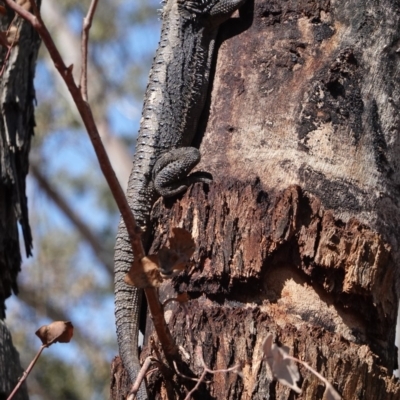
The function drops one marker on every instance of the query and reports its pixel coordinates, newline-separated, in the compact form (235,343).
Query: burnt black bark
(16,130)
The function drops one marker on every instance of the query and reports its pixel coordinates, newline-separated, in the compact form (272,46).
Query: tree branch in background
(90,125)
(83,229)
(85,111)
(99,87)
(87,23)
(56,332)
(49,310)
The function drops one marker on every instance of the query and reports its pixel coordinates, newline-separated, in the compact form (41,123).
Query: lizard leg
(170,173)
(224,8)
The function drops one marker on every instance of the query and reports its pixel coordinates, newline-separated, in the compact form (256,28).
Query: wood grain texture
(298,234)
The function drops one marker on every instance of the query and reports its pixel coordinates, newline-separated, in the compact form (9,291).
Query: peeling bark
(298,234)
(280,262)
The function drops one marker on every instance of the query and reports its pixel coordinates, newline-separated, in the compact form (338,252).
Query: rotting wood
(288,261)
(298,234)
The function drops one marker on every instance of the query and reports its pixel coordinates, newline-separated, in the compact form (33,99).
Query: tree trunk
(16,130)
(298,234)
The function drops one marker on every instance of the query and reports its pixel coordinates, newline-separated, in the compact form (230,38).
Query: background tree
(74,223)
(16,129)
(288,214)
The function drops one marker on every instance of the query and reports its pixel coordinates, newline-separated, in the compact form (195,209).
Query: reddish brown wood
(298,234)
(281,263)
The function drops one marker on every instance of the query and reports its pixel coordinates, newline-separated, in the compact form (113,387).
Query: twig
(185,376)
(27,372)
(87,23)
(88,120)
(328,385)
(139,378)
(170,300)
(202,376)
(34,8)
(134,232)
(163,333)
(61,203)
(199,353)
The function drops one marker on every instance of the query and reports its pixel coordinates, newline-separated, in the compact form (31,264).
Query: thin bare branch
(199,353)
(334,394)
(90,125)
(139,378)
(27,372)
(34,7)
(185,376)
(87,23)
(201,379)
(62,204)
(134,232)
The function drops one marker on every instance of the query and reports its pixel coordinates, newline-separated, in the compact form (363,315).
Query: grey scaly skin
(174,101)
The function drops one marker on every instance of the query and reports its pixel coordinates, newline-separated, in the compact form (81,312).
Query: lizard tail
(128,301)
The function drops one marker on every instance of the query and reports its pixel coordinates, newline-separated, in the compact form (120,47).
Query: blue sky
(70,152)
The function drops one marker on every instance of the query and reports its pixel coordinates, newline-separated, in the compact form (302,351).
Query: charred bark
(298,234)
(16,130)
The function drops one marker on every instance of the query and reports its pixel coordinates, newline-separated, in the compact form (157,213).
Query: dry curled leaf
(182,242)
(58,331)
(13,34)
(4,39)
(150,270)
(170,261)
(9,37)
(177,255)
(144,273)
(330,392)
(283,369)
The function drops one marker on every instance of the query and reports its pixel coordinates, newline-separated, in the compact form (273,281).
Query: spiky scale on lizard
(173,104)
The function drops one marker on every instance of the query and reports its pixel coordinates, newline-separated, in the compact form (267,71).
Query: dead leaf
(144,273)
(58,331)
(170,261)
(283,369)
(9,37)
(176,256)
(330,392)
(150,270)
(182,242)
(3,39)
(13,34)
